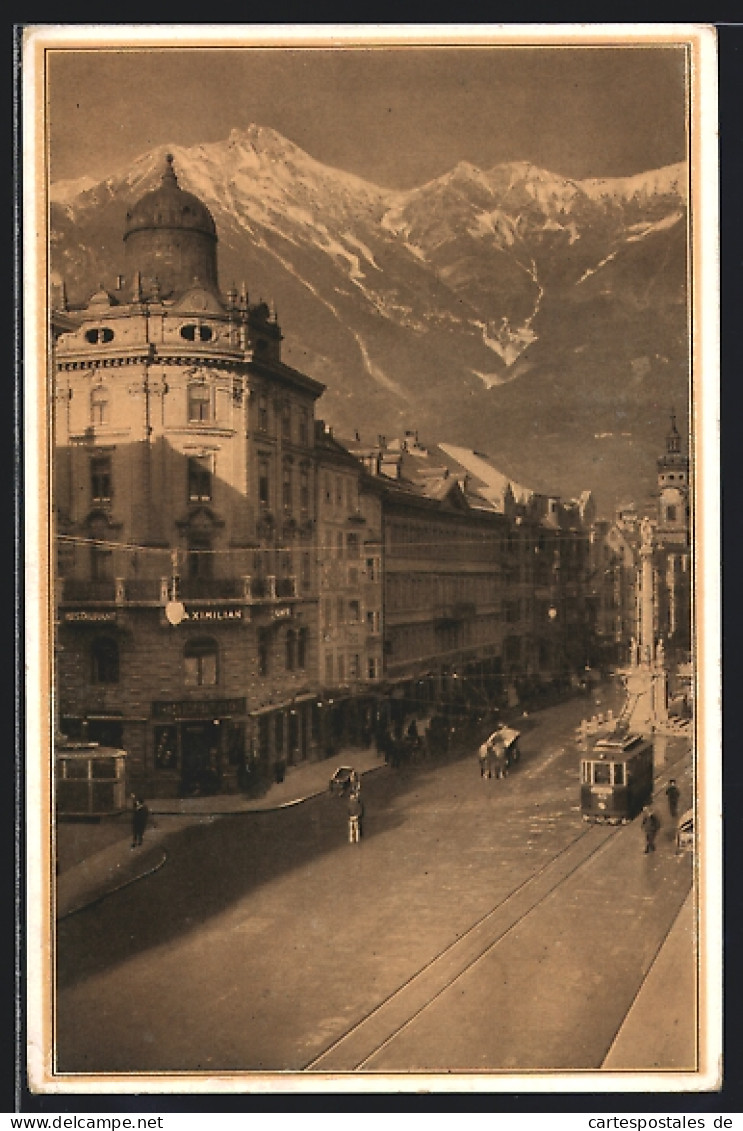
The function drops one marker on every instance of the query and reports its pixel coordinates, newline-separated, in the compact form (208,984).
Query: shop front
(198,746)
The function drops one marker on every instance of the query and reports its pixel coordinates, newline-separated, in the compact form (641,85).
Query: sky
(397,116)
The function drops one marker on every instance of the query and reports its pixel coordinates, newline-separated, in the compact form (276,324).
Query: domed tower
(170,240)
(673,490)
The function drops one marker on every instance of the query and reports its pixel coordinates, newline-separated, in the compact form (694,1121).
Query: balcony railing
(158,591)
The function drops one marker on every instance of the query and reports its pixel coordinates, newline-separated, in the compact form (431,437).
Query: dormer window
(196,333)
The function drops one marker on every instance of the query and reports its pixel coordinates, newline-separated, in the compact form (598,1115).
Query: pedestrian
(673,793)
(140,815)
(650,826)
(355,813)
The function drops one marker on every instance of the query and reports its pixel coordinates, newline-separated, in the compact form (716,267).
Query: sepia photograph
(372,695)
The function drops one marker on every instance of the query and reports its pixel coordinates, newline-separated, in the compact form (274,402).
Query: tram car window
(616,778)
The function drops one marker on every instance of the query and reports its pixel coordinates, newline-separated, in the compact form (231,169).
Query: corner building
(184,504)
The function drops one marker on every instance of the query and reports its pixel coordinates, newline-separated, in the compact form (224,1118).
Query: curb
(112,891)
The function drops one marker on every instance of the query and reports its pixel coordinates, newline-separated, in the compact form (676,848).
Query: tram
(616,778)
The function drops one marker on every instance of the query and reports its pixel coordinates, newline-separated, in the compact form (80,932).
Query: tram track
(359,1045)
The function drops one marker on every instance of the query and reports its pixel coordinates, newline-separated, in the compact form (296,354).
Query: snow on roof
(495,482)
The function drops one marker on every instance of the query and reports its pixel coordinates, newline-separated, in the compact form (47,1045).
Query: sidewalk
(116,865)
(659,1029)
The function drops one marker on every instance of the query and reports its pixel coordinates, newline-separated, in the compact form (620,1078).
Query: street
(266,937)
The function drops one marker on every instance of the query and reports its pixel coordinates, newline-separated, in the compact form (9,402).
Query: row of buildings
(236,588)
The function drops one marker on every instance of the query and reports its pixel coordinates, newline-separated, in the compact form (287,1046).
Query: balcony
(159,590)
(211,589)
(88,592)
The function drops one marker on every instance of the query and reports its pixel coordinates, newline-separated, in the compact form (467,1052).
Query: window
(339,491)
(199,479)
(291,650)
(286,421)
(199,555)
(200,662)
(305,578)
(264,651)
(354,612)
(302,641)
(99,406)
(104,660)
(372,569)
(166,748)
(327,618)
(671,513)
(341,611)
(304,491)
(199,404)
(353,576)
(339,544)
(286,488)
(328,667)
(303,425)
(352,545)
(372,620)
(100,479)
(101,562)
(341,669)
(193,333)
(353,666)
(263,412)
(601,773)
(263,484)
(618,774)
(99,335)
(373,667)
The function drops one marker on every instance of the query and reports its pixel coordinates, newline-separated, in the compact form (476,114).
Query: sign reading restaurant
(96,616)
(197,709)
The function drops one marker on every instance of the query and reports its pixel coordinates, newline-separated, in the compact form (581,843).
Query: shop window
(166,748)
(199,479)
(199,404)
(99,406)
(100,479)
(104,660)
(201,662)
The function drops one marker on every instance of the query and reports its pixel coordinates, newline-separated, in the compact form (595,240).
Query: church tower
(673,491)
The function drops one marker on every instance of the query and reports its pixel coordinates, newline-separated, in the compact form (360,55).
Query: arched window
(291,650)
(200,661)
(99,405)
(104,660)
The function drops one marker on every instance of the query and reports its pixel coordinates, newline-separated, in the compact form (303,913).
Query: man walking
(650,826)
(673,793)
(355,813)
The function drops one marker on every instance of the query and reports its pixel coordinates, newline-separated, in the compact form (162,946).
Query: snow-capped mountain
(538,318)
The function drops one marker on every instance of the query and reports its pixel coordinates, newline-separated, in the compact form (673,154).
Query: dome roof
(170,206)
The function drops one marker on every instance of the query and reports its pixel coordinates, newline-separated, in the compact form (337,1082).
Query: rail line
(353,1051)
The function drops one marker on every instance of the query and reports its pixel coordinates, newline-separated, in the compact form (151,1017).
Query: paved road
(266,937)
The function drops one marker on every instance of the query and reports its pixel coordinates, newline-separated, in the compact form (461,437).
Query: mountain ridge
(472,307)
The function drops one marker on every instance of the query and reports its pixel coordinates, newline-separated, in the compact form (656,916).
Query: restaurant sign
(90,616)
(197,709)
